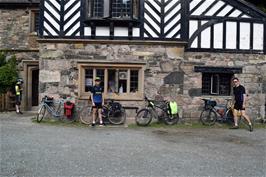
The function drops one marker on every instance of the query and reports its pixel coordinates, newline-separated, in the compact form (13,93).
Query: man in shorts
(97,101)
(240,100)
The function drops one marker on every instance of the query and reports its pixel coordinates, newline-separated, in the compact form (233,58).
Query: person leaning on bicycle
(97,101)
(240,101)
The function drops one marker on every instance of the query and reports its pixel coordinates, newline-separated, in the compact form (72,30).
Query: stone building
(172,49)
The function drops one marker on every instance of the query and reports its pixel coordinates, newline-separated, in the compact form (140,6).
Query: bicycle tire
(85,115)
(171,119)
(118,117)
(143,117)
(41,113)
(208,117)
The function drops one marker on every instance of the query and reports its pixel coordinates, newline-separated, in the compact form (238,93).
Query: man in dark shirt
(240,103)
(97,101)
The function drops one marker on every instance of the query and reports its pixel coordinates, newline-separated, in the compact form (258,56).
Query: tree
(8,73)
(261,4)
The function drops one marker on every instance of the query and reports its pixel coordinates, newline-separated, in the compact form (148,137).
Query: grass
(191,125)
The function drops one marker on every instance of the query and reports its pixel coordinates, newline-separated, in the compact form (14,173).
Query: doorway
(30,96)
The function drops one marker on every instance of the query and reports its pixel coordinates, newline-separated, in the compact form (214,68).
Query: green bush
(8,73)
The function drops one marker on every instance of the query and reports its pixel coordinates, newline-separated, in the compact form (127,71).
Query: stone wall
(15,29)
(59,72)
(169,72)
(253,77)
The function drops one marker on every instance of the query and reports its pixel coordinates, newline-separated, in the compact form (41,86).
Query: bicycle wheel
(41,113)
(117,117)
(85,115)
(171,119)
(208,117)
(143,117)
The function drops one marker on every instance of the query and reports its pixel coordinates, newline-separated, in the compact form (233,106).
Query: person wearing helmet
(97,101)
(18,92)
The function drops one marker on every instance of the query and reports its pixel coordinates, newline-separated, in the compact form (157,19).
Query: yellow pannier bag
(174,109)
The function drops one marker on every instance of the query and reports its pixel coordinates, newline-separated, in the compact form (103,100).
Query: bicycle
(54,108)
(212,112)
(112,113)
(159,111)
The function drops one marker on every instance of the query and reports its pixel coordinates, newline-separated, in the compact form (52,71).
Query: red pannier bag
(68,107)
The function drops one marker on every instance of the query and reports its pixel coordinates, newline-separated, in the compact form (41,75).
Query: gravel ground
(31,149)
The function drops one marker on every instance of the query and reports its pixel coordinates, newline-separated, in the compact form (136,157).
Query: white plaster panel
(244,36)
(206,38)
(46,26)
(218,36)
(102,31)
(246,16)
(172,13)
(193,26)
(153,13)
(173,32)
(154,4)
(193,4)
(70,32)
(121,31)
(158,29)
(56,4)
(172,23)
(170,5)
(57,16)
(236,13)
(258,36)
(72,21)
(231,35)
(49,76)
(72,10)
(150,31)
(214,9)
(136,32)
(203,7)
(225,11)
(87,31)
(52,21)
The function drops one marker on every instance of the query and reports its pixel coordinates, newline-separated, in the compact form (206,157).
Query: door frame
(28,67)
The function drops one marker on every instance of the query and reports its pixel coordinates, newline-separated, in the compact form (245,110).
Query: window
(34,21)
(122,9)
(119,81)
(216,84)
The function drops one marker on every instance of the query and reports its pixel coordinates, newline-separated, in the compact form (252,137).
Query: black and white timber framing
(206,25)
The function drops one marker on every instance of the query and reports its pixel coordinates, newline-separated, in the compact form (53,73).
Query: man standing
(97,101)
(18,90)
(240,103)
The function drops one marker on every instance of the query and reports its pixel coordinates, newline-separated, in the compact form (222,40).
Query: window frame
(82,94)
(33,15)
(209,84)
(134,19)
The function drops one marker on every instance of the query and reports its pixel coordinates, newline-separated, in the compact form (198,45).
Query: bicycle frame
(151,106)
(54,112)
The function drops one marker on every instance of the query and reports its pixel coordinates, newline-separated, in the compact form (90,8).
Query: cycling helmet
(19,81)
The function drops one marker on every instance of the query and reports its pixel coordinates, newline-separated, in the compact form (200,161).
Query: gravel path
(31,149)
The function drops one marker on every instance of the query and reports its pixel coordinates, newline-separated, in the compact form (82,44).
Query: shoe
(20,112)
(234,127)
(250,128)
(102,125)
(93,124)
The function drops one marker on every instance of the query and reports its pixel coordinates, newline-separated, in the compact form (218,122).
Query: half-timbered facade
(182,50)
